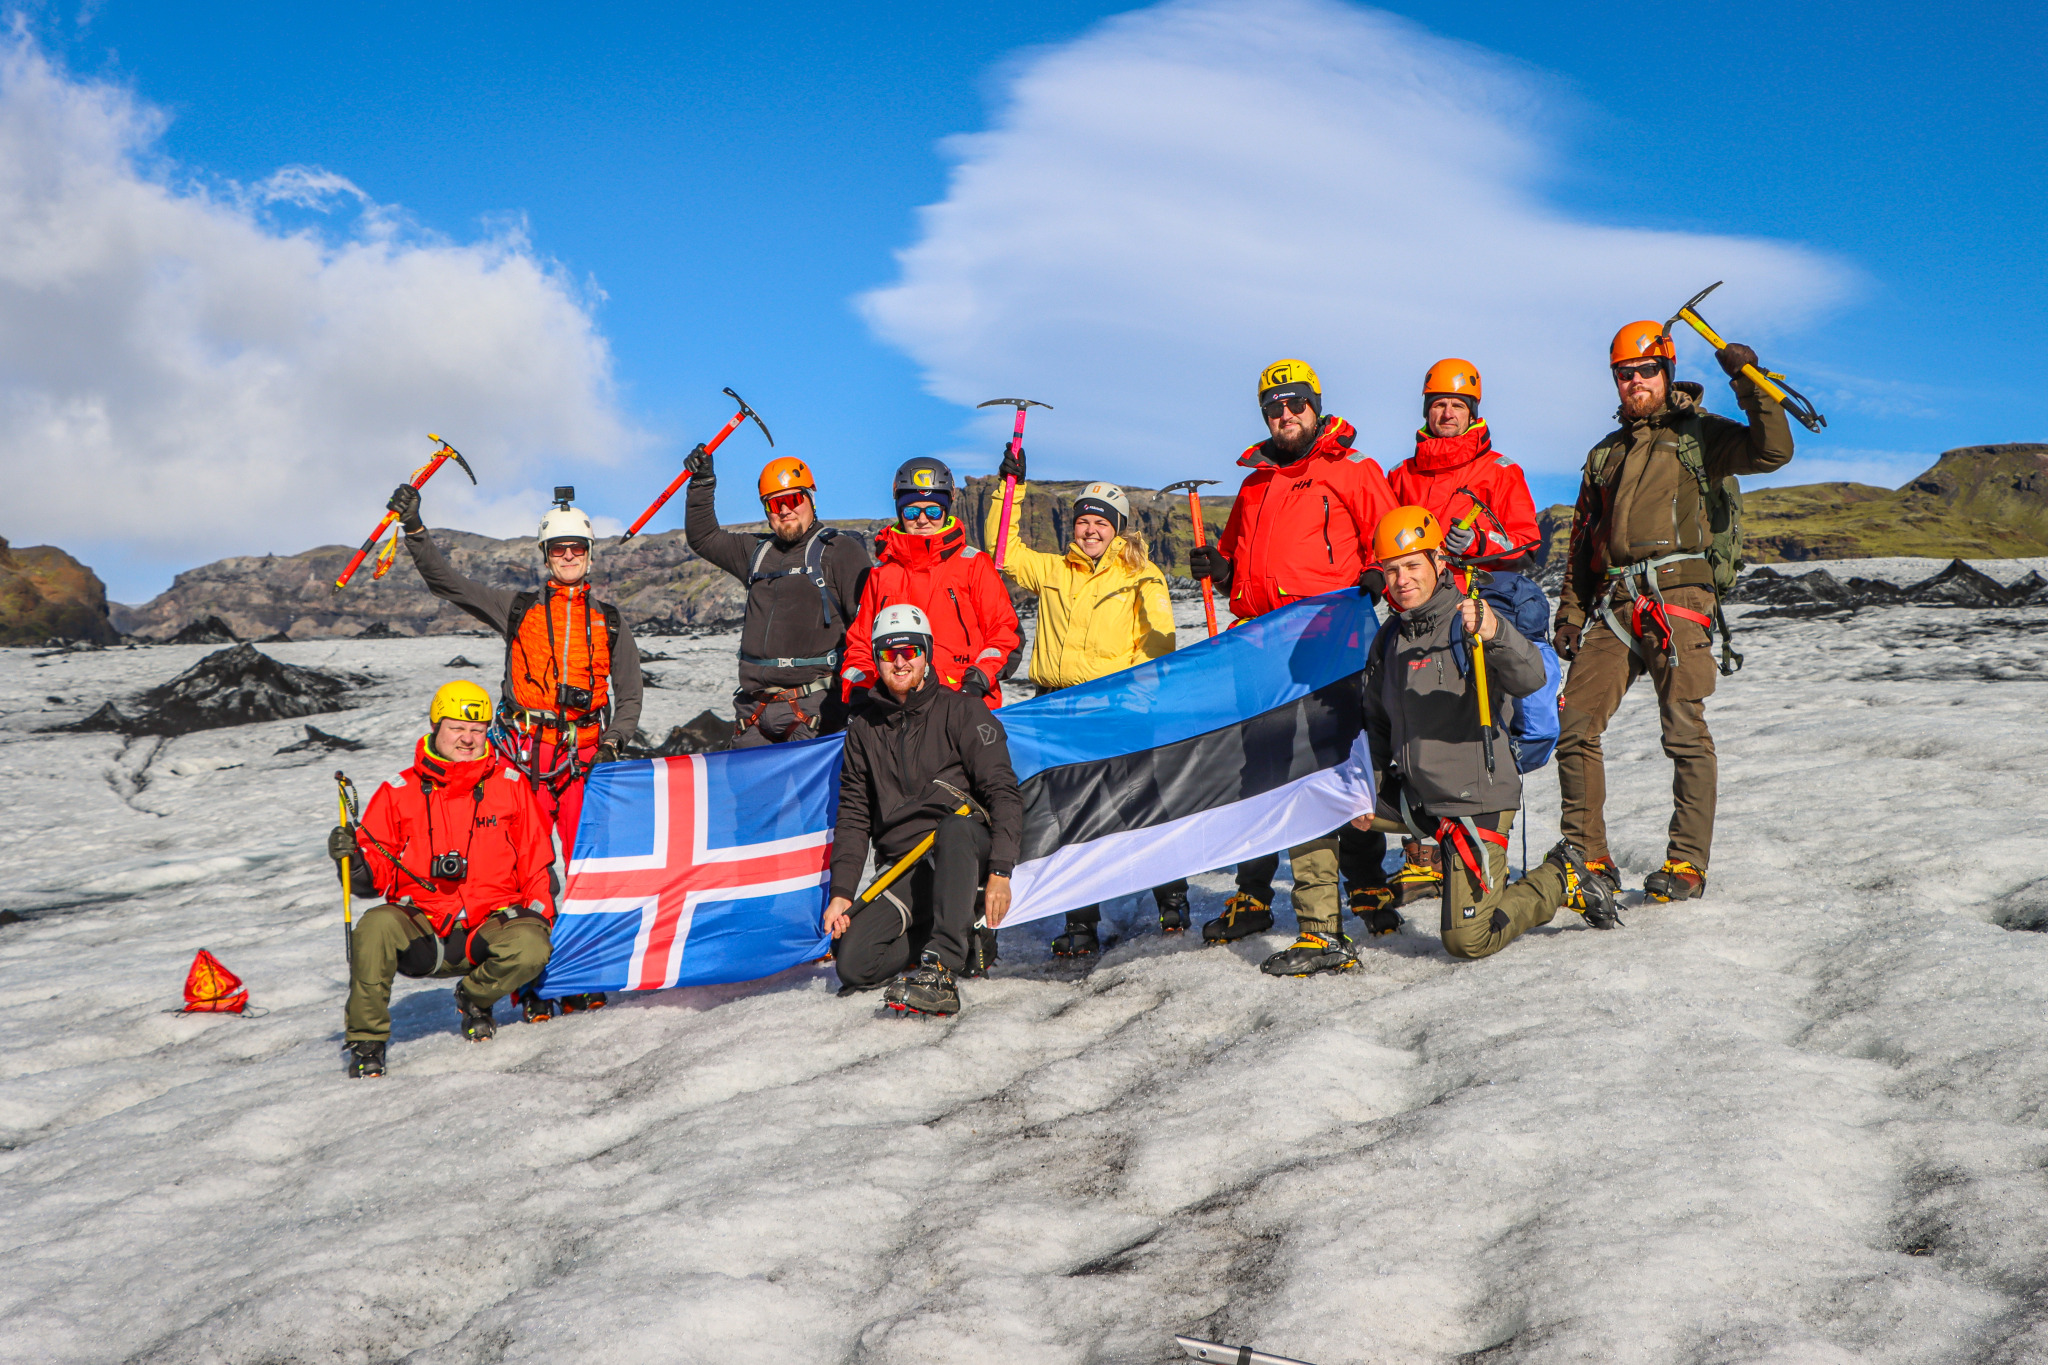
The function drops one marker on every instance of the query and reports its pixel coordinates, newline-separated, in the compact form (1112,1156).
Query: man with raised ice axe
(1656,539)
(1433,676)
(1301,525)
(927,780)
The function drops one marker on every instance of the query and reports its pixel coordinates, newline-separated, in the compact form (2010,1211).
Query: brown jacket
(1647,504)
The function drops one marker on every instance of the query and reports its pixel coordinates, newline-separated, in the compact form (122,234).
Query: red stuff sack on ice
(212,989)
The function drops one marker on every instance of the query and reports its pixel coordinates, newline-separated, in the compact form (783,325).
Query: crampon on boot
(364,1059)
(1421,877)
(534,1009)
(981,952)
(582,1004)
(1375,905)
(927,988)
(1173,911)
(1243,915)
(477,1023)
(1080,940)
(1312,953)
(1586,890)
(1677,880)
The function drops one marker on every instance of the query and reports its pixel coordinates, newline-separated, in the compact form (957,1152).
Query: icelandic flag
(696,870)
(1245,744)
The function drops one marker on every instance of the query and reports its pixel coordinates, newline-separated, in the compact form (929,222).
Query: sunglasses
(784,502)
(1293,403)
(568,549)
(901,654)
(1642,370)
(924,511)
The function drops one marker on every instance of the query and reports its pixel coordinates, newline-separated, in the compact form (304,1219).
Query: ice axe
(419,480)
(1201,539)
(968,806)
(345,795)
(1472,577)
(1793,400)
(728,429)
(1002,544)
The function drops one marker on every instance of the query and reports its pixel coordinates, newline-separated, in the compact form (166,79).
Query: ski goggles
(1644,369)
(1296,403)
(899,652)
(924,511)
(784,502)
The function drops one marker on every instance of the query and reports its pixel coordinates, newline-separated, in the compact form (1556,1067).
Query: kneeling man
(460,850)
(1422,720)
(916,754)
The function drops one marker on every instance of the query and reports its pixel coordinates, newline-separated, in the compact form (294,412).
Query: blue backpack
(1531,722)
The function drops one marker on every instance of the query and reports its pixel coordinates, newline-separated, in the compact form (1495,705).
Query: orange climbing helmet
(1643,340)
(1452,379)
(786,474)
(1406,531)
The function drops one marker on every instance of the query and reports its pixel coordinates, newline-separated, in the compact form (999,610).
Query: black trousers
(1092,914)
(936,910)
(1359,858)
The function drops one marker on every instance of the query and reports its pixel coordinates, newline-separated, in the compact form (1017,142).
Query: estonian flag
(1241,745)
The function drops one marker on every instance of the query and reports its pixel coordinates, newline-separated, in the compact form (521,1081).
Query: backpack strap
(1692,453)
(812,568)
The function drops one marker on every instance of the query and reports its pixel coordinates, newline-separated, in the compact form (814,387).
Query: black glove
(1566,640)
(607,752)
(698,462)
(1012,466)
(341,843)
(405,500)
(1734,356)
(975,684)
(1373,581)
(1206,561)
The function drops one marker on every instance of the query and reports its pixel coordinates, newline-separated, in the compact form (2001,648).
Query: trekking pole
(714,443)
(1771,383)
(1479,651)
(345,796)
(1201,539)
(1010,481)
(418,480)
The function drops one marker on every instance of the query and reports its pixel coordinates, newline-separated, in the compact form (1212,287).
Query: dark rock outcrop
(708,733)
(205,630)
(1807,594)
(319,741)
(47,595)
(238,686)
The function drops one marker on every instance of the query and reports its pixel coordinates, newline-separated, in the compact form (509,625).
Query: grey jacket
(1422,713)
(493,607)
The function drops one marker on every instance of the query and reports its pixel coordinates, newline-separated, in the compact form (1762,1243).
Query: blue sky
(717,188)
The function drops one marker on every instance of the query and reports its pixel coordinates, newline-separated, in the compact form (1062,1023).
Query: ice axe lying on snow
(418,480)
(1794,401)
(1010,481)
(714,443)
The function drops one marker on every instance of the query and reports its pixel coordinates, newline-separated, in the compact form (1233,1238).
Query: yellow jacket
(1094,618)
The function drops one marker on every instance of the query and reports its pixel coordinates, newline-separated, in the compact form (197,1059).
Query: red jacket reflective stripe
(1303,528)
(482,809)
(1447,472)
(959,591)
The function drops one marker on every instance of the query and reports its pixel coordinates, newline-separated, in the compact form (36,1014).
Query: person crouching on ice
(1102,608)
(460,850)
(1422,720)
(916,754)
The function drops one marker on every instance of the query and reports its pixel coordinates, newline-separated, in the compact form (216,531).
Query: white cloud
(1190,191)
(182,373)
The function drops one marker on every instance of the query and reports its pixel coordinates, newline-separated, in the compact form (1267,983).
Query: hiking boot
(1174,917)
(1375,905)
(1080,940)
(981,952)
(477,1024)
(364,1059)
(583,1003)
(926,989)
(1243,915)
(535,1009)
(1602,870)
(1312,953)
(1586,890)
(1677,880)
(1421,877)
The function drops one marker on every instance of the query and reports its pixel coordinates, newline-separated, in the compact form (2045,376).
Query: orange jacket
(482,809)
(561,636)
(1306,527)
(959,591)
(1447,474)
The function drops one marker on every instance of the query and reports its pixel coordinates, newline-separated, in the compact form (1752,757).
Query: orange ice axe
(714,443)
(419,480)
(1201,539)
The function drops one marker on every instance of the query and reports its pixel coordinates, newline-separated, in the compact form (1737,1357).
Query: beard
(1304,437)
(1635,408)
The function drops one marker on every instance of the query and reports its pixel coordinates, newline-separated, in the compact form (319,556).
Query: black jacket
(885,780)
(787,618)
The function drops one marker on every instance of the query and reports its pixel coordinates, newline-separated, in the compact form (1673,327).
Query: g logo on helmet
(921,478)
(475,711)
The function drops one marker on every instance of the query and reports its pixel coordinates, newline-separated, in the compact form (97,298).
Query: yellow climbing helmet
(460,700)
(1289,379)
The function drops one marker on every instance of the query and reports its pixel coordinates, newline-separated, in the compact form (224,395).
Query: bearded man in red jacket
(1302,525)
(460,850)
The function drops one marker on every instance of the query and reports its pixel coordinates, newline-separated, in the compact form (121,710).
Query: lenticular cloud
(1188,192)
(182,372)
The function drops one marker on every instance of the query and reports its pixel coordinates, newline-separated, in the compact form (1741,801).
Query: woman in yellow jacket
(1102,607)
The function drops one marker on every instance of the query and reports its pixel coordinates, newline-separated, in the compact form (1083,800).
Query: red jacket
(1304,528)
(1447,473)
(482,809)
(959,591)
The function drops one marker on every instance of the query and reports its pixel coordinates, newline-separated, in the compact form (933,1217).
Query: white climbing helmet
(1107,501)
(566,523)
(902,624)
